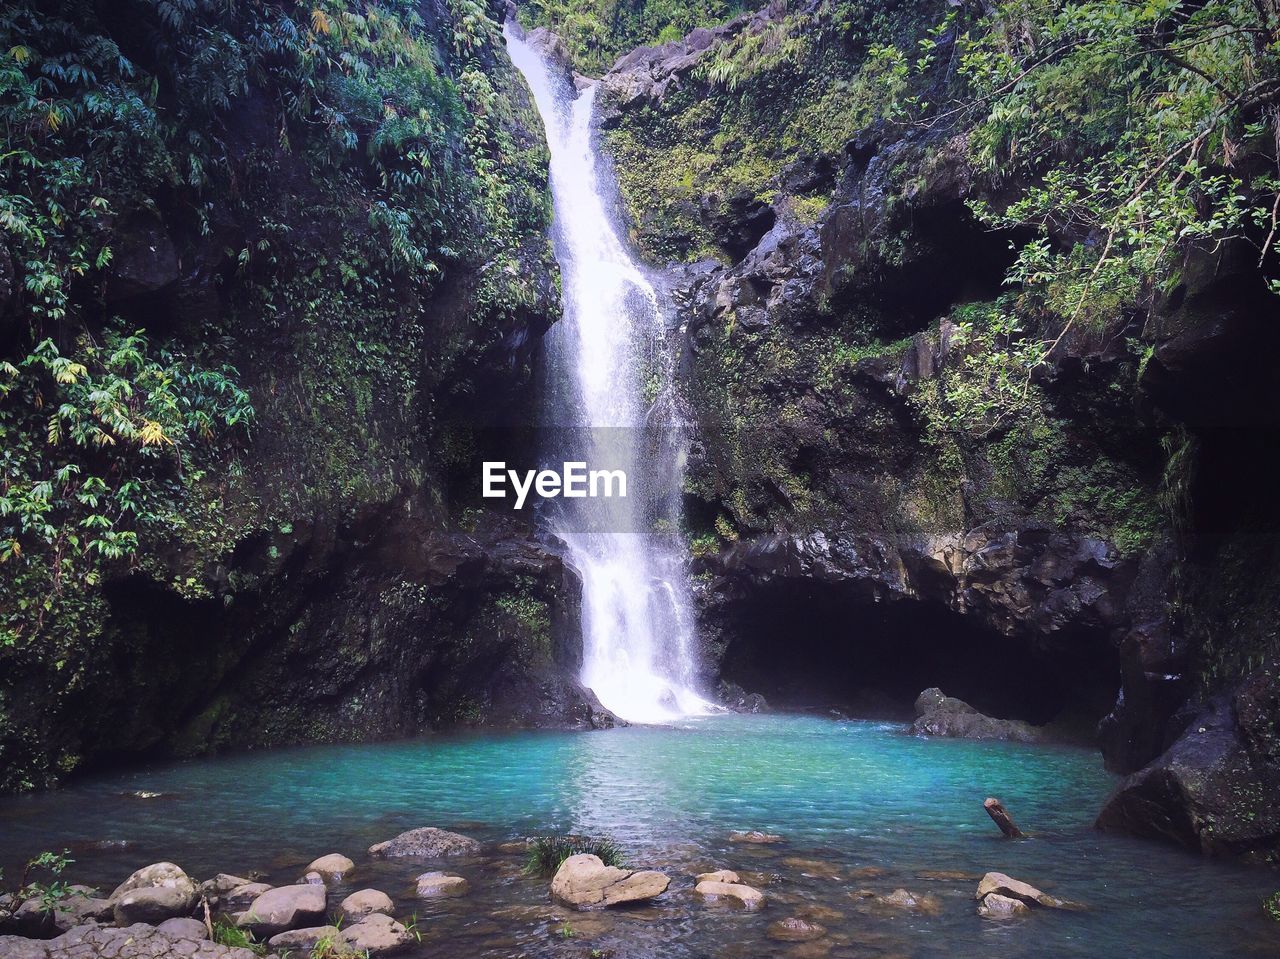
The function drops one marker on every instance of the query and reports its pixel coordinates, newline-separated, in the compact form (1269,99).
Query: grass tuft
(548,853)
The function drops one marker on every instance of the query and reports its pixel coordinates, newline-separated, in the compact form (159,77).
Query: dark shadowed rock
(941,715)
(1214,789)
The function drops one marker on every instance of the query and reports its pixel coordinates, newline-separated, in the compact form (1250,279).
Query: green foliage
(327,166)
(227,933)
(800,87)
(599,31)
(41,879)
(97,444)
(1139,128)
(1271,906)
(548,853)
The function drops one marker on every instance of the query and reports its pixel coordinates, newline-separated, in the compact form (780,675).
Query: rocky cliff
(888,490)
(318,262)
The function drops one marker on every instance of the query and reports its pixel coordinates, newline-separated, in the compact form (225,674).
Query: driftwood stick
(995,809)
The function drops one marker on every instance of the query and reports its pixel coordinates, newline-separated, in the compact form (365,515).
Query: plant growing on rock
(548,853)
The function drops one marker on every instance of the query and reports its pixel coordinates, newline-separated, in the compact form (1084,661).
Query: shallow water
(850,798)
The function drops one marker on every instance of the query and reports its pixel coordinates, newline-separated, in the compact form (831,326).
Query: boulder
(312,879)
(80,906)
(364,903)
(332,867)
(220,886)
(283,908)
(795,929)
(184,929)
(940,715)
(1197,793)
(750,898)
(377,935)
(439,885)
(242,897)
(996,906)
(153,894)
(997,883)
(585,882)
(303,941)
(425,843)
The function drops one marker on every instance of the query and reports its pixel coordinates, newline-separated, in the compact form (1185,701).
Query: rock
(795,929)
(283,908)
(721,875)
(585,882)
(332,867)
(377,935)
(154,904)
(303,941)
(20,947)
(242,897)
(996,906)
(999,884)
(756,837)
(1196,793)
(903,900)
(138,941)
(77,908)
(439,885)
(184,929)
(312,879)
(220,886)
(712,889)
(153,894)
(941,715)
(426,843)
(365,902)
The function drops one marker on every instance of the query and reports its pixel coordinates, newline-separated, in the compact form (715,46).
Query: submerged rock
(427,842)
(439,885)
(940,715)
(996,906)
(585,882)
(903,900)
(714,889)
(755,837)
(795,929)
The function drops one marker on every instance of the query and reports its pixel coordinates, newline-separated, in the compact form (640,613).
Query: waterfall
(605,354)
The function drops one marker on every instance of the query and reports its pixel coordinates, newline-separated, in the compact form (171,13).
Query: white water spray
(636,617)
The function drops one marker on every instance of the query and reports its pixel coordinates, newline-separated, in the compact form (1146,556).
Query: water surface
(851,799)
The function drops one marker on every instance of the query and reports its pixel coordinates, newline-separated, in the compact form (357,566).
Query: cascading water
(636,617)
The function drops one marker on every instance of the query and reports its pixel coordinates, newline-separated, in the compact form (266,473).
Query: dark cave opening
(816,646)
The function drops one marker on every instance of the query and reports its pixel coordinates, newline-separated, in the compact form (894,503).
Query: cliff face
(327,230)
(878,504)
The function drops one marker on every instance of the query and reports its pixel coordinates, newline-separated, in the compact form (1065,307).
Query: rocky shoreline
(161,911)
